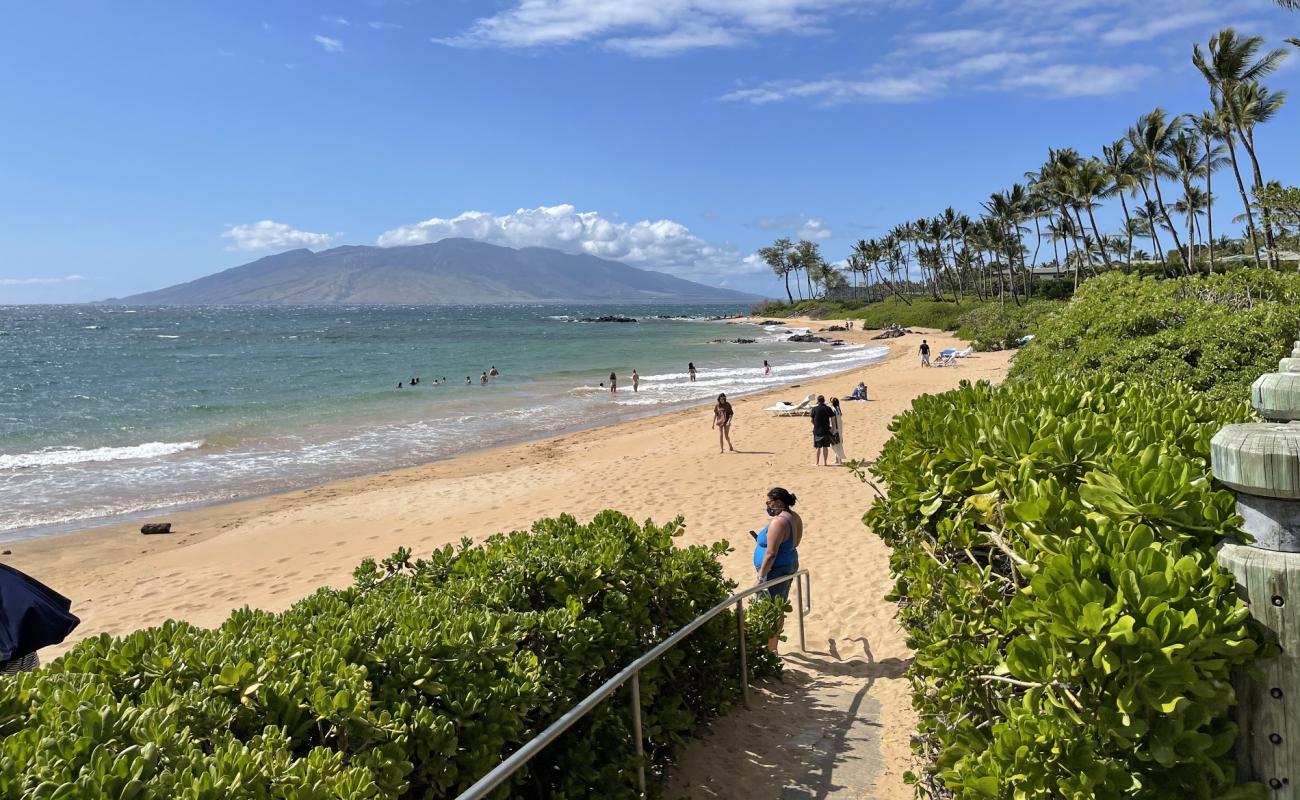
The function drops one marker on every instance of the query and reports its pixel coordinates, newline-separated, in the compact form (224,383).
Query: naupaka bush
(413,683)
(1053,551)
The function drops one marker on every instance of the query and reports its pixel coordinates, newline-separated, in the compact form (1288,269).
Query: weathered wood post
(1261,462)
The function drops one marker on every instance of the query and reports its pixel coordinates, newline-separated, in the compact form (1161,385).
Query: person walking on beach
(636,381)
(722,414)
(690,370)
(776,549)
(925,353)
(613,383)
(767,368)
(838,445)
(823,424)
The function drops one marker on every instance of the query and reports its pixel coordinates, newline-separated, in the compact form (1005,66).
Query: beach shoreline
(270,551)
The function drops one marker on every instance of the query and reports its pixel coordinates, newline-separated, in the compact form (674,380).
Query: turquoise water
(106,411)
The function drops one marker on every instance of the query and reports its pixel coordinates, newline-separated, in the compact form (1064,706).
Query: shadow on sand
(813,734)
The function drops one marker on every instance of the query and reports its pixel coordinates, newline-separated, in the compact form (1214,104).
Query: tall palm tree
(1119,165)
(1148,218)
(1232,61)
(1209,124)
(1088,182)
(1150,139)
(1188,160)
(1229,136)
(1257,104)
(1194,204)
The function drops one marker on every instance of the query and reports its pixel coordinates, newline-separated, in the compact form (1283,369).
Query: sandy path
(837,726)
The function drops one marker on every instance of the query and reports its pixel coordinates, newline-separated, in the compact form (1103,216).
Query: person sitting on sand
(722,415)
(776,548)
(636,381)
(859,392)
(690,370)
(613,383)
(493,372)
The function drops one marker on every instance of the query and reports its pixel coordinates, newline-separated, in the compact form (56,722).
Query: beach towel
(32,615)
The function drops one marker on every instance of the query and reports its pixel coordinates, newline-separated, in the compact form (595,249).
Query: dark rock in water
(156,527)
(733,341)
(772,322)
(607,319)
(807,338)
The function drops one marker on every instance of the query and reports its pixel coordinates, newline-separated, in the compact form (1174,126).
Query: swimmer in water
(483,381)
(494,372)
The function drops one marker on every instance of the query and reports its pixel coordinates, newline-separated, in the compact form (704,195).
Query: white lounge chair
(964,353)
(792,410)
(946,358)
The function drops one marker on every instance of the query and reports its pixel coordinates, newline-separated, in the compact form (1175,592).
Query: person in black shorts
(823,421)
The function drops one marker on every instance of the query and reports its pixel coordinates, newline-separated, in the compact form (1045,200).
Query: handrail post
(636,731)
(744,658)
(798,603)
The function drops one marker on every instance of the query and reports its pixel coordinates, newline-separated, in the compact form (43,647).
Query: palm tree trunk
(1191,223)
(1128,228)
(786,275)
(1249,142)
(1101,243)
(1245,198)
(1164,212)
(1209,201)
(1155,240)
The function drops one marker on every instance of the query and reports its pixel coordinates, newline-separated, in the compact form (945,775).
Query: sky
(153,142)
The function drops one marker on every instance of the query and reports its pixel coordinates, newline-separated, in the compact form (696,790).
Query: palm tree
(1148,217)
(1209,124)
(777,256)
(1195,203)
(1119,165)
(1088,182)
(1257,104)
(1150,139)
(1188,161)
(1231,62)
(808,255)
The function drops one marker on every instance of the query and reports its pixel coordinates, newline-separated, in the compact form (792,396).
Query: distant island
(451,271)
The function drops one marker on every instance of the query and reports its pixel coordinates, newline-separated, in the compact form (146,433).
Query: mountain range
(450,271)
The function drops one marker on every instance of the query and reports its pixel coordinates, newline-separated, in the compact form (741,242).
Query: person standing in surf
(613,383)
(636,381)
(767,368)
(690,370)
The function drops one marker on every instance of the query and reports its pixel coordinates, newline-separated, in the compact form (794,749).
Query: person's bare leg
(721,433)
(727,432)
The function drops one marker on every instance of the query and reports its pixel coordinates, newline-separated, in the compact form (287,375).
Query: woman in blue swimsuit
(776,551)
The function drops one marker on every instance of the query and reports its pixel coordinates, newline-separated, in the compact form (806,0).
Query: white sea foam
(51,456)
(166,336)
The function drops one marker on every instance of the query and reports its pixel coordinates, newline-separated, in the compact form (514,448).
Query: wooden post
(1261,462)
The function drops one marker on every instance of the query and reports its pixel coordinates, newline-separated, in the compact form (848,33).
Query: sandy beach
(836,726)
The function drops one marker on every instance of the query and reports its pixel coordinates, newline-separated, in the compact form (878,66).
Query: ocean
(109,412)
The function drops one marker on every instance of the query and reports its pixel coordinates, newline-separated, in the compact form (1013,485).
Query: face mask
(772,512)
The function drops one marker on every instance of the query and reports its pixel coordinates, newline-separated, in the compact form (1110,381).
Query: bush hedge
(997,326)
(1053,553)
(1215,334)
(412,683)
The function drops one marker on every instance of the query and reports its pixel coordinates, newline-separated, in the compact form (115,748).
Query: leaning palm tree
(1088,182)
(1150,139)
(1120,169)
(1209,124)
(1229,62)
(1258,104)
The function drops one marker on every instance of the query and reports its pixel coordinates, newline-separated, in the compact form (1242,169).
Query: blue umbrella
(32,615)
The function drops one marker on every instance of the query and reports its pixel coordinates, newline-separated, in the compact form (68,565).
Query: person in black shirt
(925,353)
(823,421)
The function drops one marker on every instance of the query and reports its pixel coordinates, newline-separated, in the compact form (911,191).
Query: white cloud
(41,281)
(662,245)
(799,226)
(1148,29)
(342,22)
(1080,80)
(651,28)
(269,235)
(384,26)
(330,45)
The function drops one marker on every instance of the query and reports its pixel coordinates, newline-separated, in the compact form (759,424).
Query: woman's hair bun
(782,496)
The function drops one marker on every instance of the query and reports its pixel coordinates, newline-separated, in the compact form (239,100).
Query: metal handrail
(632,672)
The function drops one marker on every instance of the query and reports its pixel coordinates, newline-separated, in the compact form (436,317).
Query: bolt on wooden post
(1261,463)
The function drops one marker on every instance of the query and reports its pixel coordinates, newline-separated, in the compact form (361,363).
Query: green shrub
(1215,334)
(1053,553)
(412,683)
(994,326)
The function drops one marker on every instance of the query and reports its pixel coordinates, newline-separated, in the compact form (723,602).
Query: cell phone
(754,534)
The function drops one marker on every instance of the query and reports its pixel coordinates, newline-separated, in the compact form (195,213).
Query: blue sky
(147,143)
